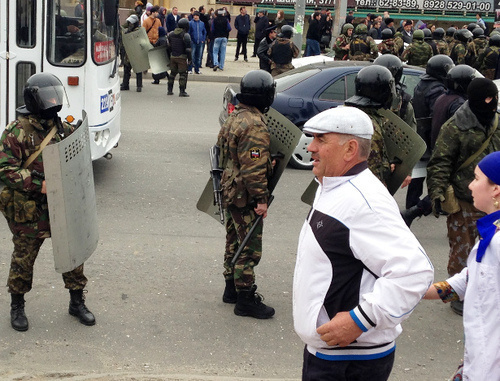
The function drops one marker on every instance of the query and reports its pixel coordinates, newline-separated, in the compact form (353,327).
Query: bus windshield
(104,31)
(66,42)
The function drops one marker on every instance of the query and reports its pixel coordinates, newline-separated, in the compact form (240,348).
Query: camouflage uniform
(459,53)
(362,46)
(417,53)
(22,203)
(340,46)
(399,44)
(442,47)
(460,137)
(378,161)
(281,52)
(388,47)
(244,142)
(487,62)
(474,49)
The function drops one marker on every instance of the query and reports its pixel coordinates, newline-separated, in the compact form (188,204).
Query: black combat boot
(18,319)
(230,294)
(182,92)
(124,87)
(249,303)
(410,214)
(78,308)
(170,89)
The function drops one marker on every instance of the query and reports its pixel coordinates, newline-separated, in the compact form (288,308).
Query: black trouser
(242,41)
(256,45)
(316,369)
(127,72)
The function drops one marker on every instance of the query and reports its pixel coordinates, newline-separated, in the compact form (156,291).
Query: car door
(336,91)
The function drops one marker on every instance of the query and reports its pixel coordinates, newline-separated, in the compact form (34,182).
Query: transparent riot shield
(284,138)
(71,199)
(137,45)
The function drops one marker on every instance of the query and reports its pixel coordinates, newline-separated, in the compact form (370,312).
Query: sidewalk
(233,70)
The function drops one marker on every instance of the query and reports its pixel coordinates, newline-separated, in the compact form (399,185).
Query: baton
(249,234)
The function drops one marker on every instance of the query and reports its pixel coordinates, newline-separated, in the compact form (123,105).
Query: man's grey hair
(363,144)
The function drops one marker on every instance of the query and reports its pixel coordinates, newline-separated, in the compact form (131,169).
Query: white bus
(76,40)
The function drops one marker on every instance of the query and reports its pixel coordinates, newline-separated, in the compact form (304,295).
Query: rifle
(216,174)
(274,157)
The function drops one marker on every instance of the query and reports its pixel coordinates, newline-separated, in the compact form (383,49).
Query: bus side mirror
(110,12)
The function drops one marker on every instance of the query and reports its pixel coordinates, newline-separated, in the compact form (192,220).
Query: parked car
(304,92)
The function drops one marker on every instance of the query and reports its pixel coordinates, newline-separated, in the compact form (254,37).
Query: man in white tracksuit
(360,271)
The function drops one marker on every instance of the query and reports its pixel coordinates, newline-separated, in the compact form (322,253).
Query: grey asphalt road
(155,280)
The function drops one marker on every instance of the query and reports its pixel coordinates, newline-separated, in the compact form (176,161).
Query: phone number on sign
(473,6)
(398,4)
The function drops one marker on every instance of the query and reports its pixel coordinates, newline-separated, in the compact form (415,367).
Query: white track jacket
(356,254)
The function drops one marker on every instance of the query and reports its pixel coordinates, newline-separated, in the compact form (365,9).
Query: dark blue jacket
(171,23)
(242,24)
(197,31)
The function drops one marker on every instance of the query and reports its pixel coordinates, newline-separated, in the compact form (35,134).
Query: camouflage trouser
(462,234)
(239,222)
(178,65)
(21,267)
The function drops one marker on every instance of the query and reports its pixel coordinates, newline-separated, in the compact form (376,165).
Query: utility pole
(339,20)
(298,23)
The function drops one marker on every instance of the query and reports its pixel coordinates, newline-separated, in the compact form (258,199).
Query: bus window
(103,36)
(26,23)
(24,70)
(65,34)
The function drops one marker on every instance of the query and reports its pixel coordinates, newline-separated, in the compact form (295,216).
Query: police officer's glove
(436,207)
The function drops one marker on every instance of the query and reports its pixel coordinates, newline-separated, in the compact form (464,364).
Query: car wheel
(301,157)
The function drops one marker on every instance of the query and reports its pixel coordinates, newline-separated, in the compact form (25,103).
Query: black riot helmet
(438,66)
(494,40)
(387,33)
(374,88)
(459,77)
(463,35)
(184,24)
(438,34)
(450,32)
(286,31)
(478,32)
(257,88)
(427,34)
(44,95)
(392,63)
(472,26)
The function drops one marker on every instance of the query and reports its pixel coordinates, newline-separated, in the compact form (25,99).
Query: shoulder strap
(483,146)
(44,142)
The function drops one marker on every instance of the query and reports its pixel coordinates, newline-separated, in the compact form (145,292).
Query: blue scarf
(487,227)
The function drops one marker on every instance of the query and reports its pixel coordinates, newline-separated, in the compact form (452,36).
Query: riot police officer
(23,201)
(179,50)
(282,51)
(418,52)
(375,89)
(244,142)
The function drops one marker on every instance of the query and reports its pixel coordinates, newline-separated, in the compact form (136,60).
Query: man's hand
(341,330)
(406,182)
(261,210)
(436,208)
(44,187)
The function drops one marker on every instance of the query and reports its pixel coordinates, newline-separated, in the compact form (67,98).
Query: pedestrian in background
(313,36)
(220,31)
(242,25)
(198,36)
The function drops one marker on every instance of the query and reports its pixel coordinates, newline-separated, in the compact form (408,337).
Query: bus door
(20,53)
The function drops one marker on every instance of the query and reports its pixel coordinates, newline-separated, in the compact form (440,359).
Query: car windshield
(286,81)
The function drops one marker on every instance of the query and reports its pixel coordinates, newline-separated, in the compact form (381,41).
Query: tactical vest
(177,44)
(281,52)
(422,110)
(359,45)
(420,54)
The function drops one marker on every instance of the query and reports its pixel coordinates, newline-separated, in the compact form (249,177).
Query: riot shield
(71,199)
(137,45)
(158,59)
(284,138)
(403,145)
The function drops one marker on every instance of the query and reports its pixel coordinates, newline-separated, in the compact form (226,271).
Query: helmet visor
(49,96)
